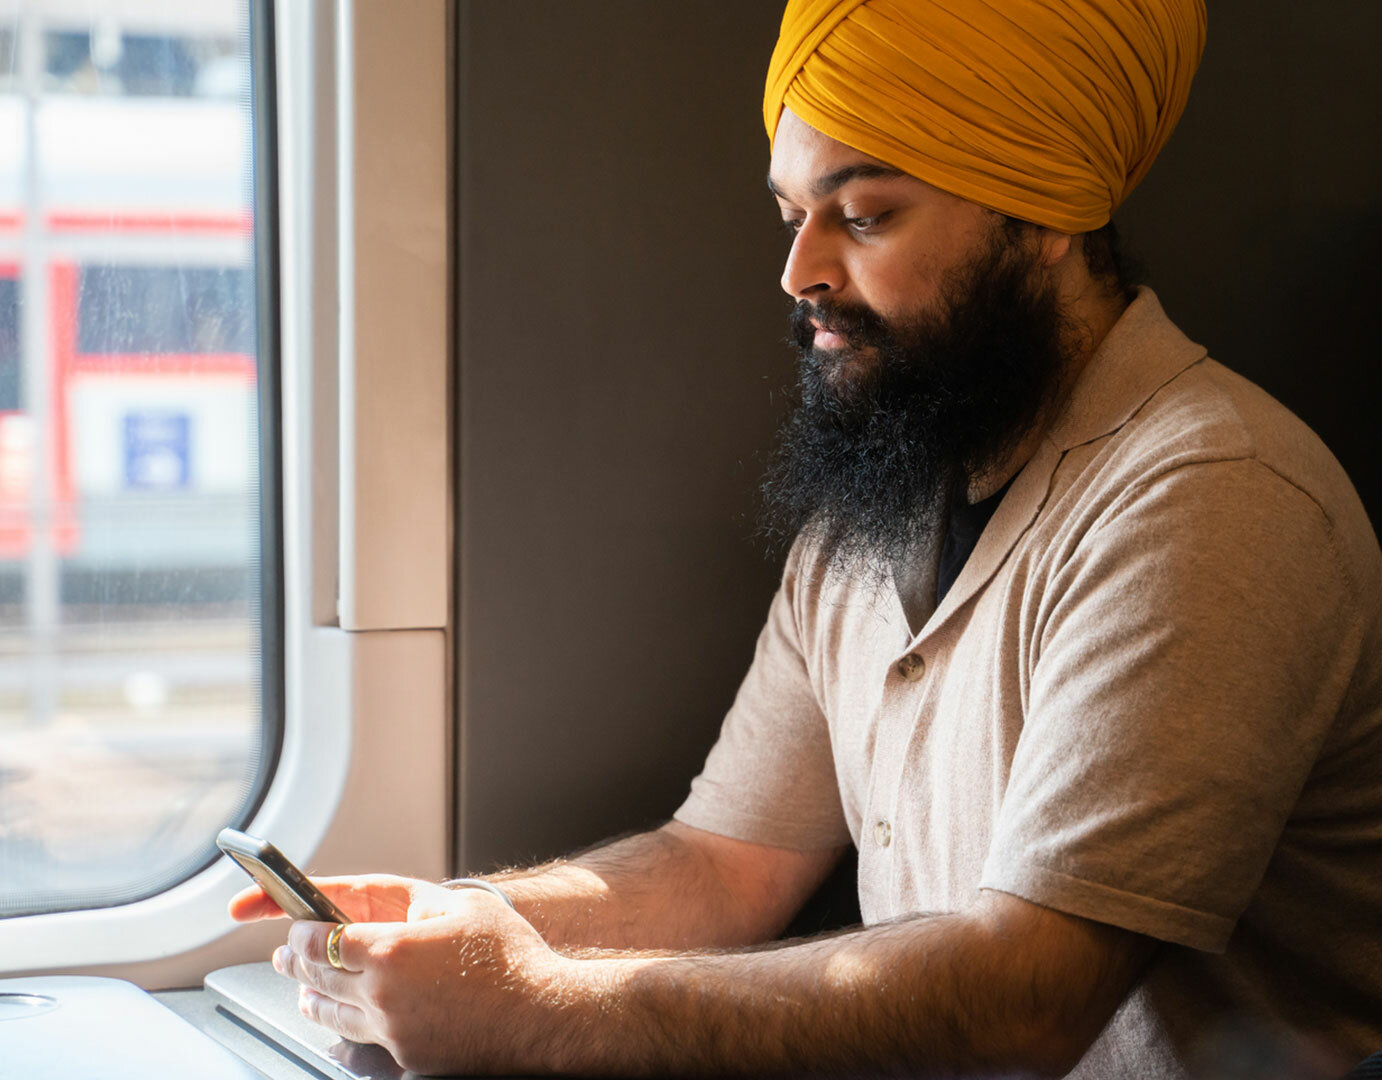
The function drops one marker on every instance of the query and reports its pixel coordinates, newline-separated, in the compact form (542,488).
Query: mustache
(858,324)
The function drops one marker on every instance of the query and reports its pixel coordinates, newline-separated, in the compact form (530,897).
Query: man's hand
(674,887)
(365,898)
(443,979)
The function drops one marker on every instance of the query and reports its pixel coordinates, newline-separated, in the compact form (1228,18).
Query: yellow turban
(1045,110)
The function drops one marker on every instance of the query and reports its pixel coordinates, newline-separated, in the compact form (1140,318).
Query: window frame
(361,783)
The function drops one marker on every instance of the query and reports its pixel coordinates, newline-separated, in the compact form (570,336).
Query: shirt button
(883,833)
(911,667)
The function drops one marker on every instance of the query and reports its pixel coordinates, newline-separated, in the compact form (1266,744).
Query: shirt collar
(1142,353)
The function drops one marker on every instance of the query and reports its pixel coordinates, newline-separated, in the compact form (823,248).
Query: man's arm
(676,887)
(1005,987)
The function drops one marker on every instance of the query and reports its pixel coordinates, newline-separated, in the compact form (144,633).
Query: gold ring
(333,947)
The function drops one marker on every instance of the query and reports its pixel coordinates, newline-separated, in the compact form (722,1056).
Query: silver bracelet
(476,883)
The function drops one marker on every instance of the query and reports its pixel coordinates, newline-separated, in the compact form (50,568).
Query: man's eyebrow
(833,181)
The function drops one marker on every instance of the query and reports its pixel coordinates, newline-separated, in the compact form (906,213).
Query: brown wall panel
(1261,223)
(620,335)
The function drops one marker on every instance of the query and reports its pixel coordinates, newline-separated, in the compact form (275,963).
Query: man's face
(865,235)
(931,338)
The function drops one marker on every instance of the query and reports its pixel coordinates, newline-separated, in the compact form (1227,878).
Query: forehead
(804,157)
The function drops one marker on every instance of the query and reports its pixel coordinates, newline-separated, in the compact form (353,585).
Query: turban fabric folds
(1046,110)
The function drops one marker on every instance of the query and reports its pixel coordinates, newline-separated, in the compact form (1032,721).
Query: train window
(140,644)
(7,64)
(180,645)
(9,348)
(105,60)
(189,310)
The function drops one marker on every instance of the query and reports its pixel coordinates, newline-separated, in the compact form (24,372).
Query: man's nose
(813,266)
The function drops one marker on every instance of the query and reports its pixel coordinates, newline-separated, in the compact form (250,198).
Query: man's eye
(864,224)
(791,226)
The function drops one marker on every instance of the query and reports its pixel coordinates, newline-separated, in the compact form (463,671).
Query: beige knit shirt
(1152,698)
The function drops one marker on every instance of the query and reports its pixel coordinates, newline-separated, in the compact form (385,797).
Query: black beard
(880,443)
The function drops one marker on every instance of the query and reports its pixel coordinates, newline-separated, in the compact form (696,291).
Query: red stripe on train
(88,222)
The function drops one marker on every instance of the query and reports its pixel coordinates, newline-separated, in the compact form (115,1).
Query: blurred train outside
(130,623)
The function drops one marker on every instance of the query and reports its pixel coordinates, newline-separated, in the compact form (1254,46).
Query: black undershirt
(962,533)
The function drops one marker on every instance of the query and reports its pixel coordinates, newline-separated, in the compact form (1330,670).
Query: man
(1079,643)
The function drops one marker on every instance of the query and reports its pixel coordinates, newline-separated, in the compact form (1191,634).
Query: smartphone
(286,885)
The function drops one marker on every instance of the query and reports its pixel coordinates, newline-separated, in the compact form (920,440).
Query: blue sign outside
(158,451)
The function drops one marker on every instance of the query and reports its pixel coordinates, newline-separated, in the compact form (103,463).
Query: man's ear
(1055,246)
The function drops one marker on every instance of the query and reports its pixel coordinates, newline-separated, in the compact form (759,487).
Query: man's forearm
(619,895)
(672,888)
(941,996)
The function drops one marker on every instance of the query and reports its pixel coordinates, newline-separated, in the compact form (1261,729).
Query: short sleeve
(1189,661)
(770,777)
